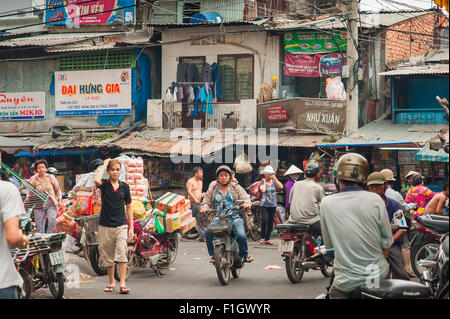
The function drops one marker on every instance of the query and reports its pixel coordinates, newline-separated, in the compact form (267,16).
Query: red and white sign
(276,114)
(22,106)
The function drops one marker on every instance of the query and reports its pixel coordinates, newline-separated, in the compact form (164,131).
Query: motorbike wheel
(294,269)
(427,248)
(327,268)
(130,266)
(223,272)
(94,257)
(27,287)
(192,234)
(57,287)
(236,268)
(174,249)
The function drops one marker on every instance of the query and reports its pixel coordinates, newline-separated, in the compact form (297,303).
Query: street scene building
(281,92)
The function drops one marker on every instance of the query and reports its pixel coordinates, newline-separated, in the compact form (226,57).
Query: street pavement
(191,276)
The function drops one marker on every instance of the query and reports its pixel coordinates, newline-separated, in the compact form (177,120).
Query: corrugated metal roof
(283,139)
(437,55)
(368,20)
(189,25)
(53,39)
(388,133)
(418,69)
(80,47)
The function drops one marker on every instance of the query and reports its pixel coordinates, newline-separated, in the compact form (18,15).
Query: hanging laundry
(196,99)
(207,74)
(203,98)
(169,96)
(215,70)
(175,94)
(191,94)
(209,99)
(182,72)
(192,73)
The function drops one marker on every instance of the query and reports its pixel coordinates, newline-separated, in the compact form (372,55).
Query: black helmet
(311,170)
(92,166)
(224,168)
(417,180)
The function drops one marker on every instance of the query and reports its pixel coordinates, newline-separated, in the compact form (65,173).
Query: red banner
(302,65)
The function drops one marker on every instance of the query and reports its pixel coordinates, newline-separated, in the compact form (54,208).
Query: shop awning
(386,133)
(427,155)
(57,153)
(13,145)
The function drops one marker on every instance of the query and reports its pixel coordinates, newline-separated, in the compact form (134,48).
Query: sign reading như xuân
(22,106)
(77,12)
(315,115)
(315,41)
(96,92)
(314,65)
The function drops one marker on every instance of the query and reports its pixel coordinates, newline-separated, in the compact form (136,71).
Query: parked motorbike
(87,242)
(436,275)
(301,252)
(226,249)
(151,250)
(19,256)
(425,239)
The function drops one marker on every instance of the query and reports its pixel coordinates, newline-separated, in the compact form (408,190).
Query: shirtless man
(194,187)
(437,203)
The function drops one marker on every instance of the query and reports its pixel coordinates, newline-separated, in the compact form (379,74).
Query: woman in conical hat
(294,173)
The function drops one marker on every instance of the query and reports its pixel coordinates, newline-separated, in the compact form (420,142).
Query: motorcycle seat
(396,289)
(292,227)
(441,226)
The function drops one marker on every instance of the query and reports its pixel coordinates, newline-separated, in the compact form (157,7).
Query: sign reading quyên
(22,106)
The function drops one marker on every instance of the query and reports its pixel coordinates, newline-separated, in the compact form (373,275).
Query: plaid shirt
(421,196)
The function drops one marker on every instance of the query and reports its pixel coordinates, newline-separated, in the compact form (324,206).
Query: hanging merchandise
(335,89)
(241,164)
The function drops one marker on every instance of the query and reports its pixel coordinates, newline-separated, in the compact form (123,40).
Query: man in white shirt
(355,223)
(305,197)
(11,236)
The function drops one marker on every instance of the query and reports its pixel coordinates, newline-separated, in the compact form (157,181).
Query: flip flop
(248,259)
(212,260)
(262,241)
(268,242)
(109,289)
(124,291)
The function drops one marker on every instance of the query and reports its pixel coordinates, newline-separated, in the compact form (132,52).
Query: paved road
(192,277)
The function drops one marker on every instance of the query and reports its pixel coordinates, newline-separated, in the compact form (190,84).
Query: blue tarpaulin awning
(208,16)
(56,153)
(427,155)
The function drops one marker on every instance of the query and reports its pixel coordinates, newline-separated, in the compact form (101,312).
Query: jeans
(9,293)
(50,211)
(239,233)
(267,217)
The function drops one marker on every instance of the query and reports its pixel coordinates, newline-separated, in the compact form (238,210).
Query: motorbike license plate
(57,258)
(286,246)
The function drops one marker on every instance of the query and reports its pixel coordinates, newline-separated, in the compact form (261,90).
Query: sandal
(268,242)
(124,290)
(262,241)
(212,260)
(248,259)
(109,289)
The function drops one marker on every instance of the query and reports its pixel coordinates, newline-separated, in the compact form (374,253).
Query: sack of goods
(139,211)
(83,203)
(133,169)
(241,164)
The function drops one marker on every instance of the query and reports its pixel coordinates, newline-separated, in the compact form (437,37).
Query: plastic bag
(255,190)
(241,164)
(138,210)
(68,244)
(83,203)
(85,181)
(159,227)
(335,89)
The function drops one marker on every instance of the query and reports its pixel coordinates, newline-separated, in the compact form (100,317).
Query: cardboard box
(174,204)
(186,215)
(187,225)
(172,221)
(185,207)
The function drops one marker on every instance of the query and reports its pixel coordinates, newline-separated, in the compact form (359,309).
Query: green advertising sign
(315,41)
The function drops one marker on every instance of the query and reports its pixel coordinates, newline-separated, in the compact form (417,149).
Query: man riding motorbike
(305,197)
(356,224)
(221,197)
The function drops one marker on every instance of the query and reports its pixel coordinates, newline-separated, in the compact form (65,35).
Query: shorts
(112,245)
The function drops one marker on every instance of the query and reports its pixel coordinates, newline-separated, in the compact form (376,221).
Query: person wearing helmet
(220,196)
(393,194)
(305,198)
(377,184)
(419,195)
(294,174)
(53,171)
(356,224)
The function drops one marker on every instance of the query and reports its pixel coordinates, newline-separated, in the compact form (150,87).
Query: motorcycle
(87,242)
(226,250)
(301,252)
(151,250)
(425,239)
(436,273)
(391,288)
